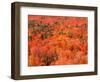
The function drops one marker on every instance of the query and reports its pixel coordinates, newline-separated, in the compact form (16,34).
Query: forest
(57,40)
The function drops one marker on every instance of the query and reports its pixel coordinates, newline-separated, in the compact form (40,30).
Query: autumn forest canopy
(57,40)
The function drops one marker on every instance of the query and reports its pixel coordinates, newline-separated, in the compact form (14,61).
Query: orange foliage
(57,40)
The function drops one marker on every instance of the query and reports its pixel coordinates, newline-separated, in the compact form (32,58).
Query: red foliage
(57,40)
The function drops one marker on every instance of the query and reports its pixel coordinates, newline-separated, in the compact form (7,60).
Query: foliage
(57,40)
